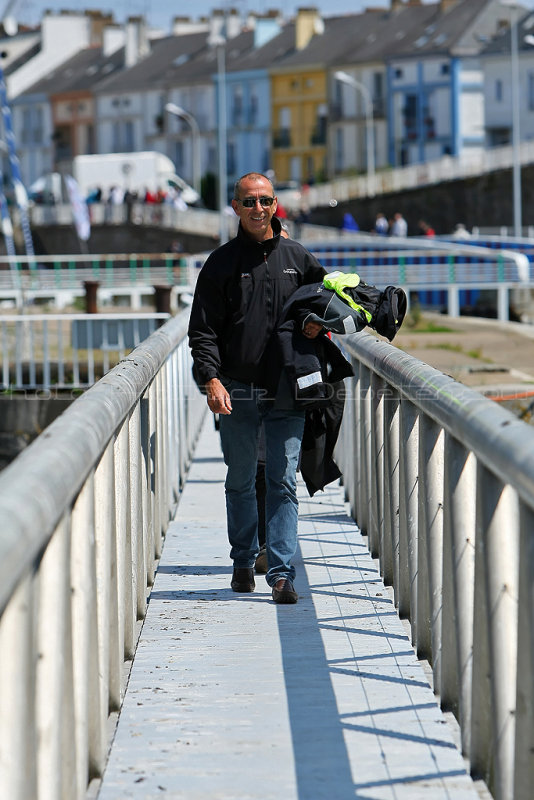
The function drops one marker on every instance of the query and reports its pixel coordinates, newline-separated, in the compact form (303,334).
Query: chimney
(308,23)
(98,22)
(113,38)
(233,23)
(225,24)
(265,27)
(137,46)
(181,25)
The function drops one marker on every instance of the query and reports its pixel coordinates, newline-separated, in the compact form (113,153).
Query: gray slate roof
(82,72)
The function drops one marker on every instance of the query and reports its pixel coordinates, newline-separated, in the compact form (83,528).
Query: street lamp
(218,41)
(516,158)
(178,111)
(344,77)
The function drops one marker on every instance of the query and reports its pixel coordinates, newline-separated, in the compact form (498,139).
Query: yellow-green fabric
(338,282)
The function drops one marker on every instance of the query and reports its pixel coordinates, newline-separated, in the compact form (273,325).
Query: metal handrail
(441,479)
(83,511)
(67,351)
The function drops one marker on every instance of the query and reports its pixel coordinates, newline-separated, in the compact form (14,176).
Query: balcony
(282,138)
(318,135)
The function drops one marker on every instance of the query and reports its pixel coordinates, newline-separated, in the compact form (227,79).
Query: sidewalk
(232,697)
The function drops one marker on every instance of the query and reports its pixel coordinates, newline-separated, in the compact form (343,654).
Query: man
(240,293)
(400,226)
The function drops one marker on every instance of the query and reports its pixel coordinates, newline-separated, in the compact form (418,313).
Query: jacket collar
(269,244)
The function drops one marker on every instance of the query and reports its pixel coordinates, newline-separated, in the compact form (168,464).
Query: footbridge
(129,669)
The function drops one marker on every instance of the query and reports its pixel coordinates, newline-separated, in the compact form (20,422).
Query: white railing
(67,351)
(471,163)
(83,511)
(441,480)
(61,279)
(192,220)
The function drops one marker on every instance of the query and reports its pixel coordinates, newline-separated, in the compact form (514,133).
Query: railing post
(408,491)
(391,484)
(54,685)
(459,502)
(430,544)
(376,474)
(18,737)
(106,552)
(524,726)
(90,701)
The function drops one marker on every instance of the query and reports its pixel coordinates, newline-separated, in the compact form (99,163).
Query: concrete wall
(62,239)
(484,201)
(23,418)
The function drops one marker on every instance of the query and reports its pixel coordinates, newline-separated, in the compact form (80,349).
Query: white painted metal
(75,565)
(61,367)
(478,529)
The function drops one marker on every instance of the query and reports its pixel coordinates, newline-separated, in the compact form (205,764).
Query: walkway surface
(232,697)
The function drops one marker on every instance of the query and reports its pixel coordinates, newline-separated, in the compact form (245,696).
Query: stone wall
(483,201)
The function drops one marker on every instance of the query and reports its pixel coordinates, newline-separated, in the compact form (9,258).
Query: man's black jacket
(239,296)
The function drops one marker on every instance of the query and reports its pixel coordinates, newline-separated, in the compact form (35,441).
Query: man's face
(256,219)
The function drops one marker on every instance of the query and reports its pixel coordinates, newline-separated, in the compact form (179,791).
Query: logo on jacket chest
(290,271)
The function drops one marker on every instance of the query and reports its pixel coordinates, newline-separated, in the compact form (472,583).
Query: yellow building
(299,106)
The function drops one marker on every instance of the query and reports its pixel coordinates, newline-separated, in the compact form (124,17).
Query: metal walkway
(234,698)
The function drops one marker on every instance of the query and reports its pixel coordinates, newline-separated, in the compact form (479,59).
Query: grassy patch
(417,323)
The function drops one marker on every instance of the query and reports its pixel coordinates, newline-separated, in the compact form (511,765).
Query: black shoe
(243,580)
(261,566)
(284,591)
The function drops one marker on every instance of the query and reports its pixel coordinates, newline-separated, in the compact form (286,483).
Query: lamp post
(221,137)
(344,77)
(178,111)
(516,138)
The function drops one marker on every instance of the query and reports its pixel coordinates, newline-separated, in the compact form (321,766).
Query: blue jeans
(239,438)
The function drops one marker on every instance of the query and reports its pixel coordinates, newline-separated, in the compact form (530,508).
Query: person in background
(239,296)
(425,228)
(381,227)
(349,223)
(460,231)
(400,226)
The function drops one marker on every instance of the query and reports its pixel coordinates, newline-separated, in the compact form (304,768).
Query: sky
(160,12)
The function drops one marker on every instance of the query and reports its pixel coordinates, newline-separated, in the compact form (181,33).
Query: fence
(441,480)
(61,279)
(83,511)
(67,351)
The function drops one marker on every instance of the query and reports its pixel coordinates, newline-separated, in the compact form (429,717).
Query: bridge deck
(232,697)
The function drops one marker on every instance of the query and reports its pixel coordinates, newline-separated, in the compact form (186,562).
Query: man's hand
(218,398)
(312,329)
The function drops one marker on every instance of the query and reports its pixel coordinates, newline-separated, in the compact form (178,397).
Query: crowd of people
(117,195)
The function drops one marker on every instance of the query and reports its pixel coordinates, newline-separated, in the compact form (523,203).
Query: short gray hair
(255,176)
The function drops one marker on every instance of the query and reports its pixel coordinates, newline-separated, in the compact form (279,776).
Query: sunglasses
(250,202)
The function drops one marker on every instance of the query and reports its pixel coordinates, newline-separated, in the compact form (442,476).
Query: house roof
(272,51)
(404,31)
(166,53)
(80,73)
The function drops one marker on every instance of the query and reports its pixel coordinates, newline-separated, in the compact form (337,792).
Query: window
(231,158)
(399,73)
(339,150)
(179,156)
(253,110)
(237,106)
(530,90)
(445,69)
(498,90)
(129,136)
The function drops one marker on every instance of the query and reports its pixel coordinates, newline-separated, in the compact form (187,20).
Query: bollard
(91,288)
(163,300)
